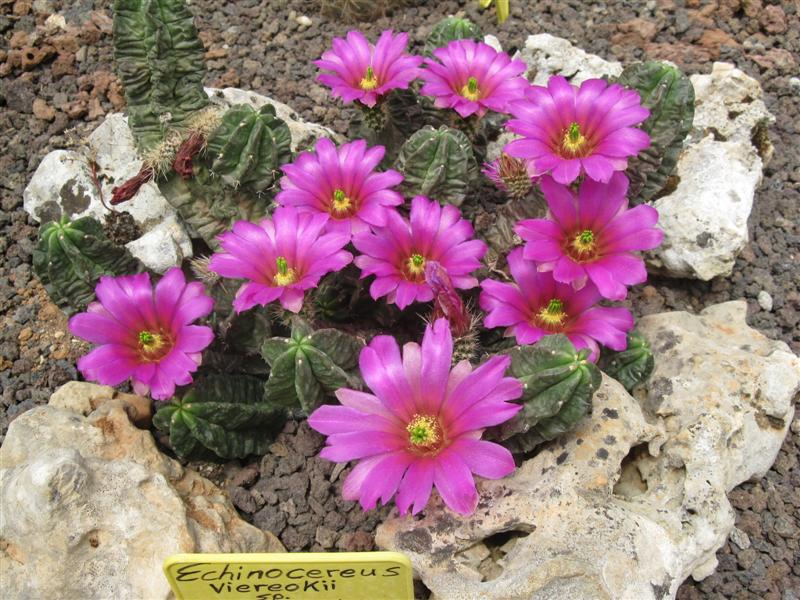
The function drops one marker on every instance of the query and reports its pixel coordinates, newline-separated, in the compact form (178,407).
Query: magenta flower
(397,253)
(145,335)
(342,184)
(422,426)
(537,305)
(592,235)
(362,72)
(281,257)
(473,77)
(567,130)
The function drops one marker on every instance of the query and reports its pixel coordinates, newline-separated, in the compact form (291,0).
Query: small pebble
(303,21)
(765,300)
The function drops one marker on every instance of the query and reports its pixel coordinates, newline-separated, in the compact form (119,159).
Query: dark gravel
(57,84)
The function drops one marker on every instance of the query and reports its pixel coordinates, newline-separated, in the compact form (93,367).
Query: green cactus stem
(249,147)
(310,364)
(224,415)
(632,366)
(438,163)
(71,257)
(449,29)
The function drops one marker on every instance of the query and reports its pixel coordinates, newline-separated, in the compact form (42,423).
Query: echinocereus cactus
(144,334)
(280,258)
(343,184)
(558,385)
(398,253)
(357,70)
(310,364)
(249,147)
(449,29)
(226,416)
(631,366)
(592,235)
(438,163)
(567,131)
(669,95)
(472,77)
(72,256)
(536,305)
(421,426)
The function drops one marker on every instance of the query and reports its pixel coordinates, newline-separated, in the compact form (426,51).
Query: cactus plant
(249,146)
(72,256)
(160,62)
(309,364)
(449,29)
(632,366)
(669,95)
(559,383)
(226,416)
(438,163)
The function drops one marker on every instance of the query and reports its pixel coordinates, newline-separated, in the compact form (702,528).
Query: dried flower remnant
(472,77)
(513,176)
(568,131)
(537,305)
(131,187)
(421,426)
(281,257)
(144,334)
(398,253)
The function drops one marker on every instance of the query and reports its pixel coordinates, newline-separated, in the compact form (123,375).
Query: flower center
(415,267)
(341,203)
(584,242)
(425,433)
(153,345)
(285,275)
(552,316)
(573,142)
(369,82)
(471,90)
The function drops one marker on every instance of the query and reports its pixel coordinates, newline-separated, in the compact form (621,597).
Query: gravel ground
(56,85)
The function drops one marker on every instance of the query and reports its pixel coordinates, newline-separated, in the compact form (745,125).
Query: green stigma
(283,266)
(471,90)
(423,431)
(285,275)
(573,141)
(369,81)
(146,338)
(553,314)
(341,203)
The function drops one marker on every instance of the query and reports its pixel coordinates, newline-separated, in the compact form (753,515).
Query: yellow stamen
(369,82)
(285,275)
(471,90)
(151,342)
(424,431)
(584,242)
(553,314)
(341,203)
(416,264)
(573,140)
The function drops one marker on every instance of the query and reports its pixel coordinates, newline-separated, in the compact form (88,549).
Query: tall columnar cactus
(226,416)
(449,29)
(160,62)
(310,364)
(249,147)
(559,383)
(438,163)
(669,95)
(632,366)
(72,256)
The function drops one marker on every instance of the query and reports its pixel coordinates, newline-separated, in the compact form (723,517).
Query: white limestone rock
(91,508)
(633,501)
(548,55)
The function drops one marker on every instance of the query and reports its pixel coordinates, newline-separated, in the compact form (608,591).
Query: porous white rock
(91,508)
(164,246)
(548,55)
(633,501)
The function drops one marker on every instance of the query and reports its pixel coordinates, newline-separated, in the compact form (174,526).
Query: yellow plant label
(291,576)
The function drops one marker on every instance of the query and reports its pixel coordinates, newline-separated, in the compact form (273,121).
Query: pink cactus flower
(536,305)
(363,72)
(422,425)
(592,236)
(513,176)
(281,257)
(397,253)
(472,77)
(568,130)
(143,334)
(342,184)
